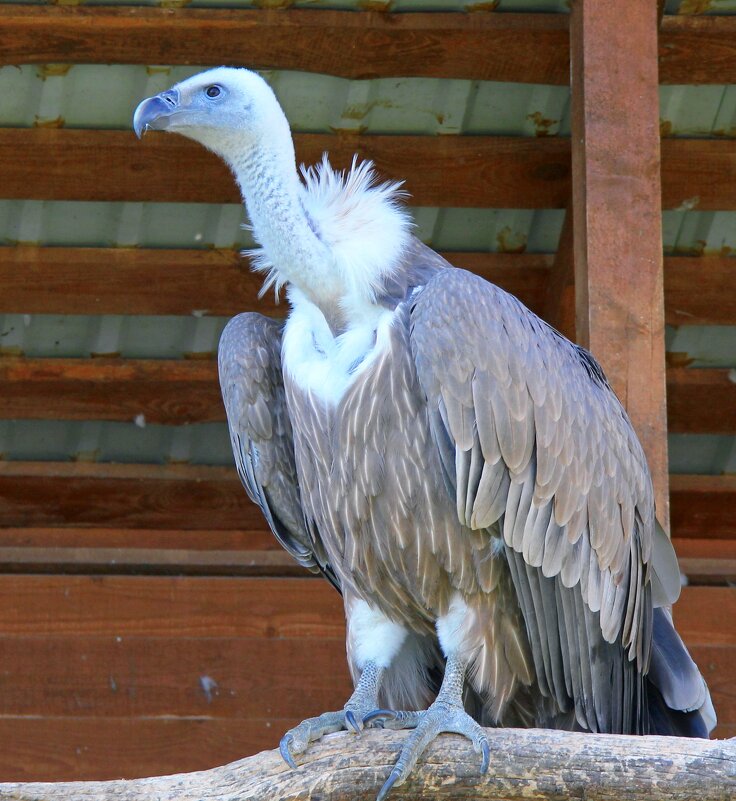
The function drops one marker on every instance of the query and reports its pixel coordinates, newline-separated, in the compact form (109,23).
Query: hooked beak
(156,112)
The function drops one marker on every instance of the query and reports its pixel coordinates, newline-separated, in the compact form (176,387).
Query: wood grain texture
(522,48)
(702,506)
(527,764)
(166,606)
(61,280)
(701,401)
(67,280)
(472,171)
(697,49)
(78,748)
(617,227)
(177,392)
(216,678)
(59,164)
(700,290)
(198,498)
(529,48)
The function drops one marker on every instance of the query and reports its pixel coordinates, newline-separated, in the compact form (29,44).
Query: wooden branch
(522,48)
(525,764)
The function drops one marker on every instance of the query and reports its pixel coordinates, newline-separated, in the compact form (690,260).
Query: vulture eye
(213,91)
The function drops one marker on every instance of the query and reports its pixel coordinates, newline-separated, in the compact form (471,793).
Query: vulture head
(229,111)
(335,237)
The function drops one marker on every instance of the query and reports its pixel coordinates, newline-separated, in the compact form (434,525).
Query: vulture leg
(351,717)
(446,714)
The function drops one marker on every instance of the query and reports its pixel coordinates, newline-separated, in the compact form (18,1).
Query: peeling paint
(678,359)
(86,456)
(273,3)
(113,354)
(67,2)
(510,241)
(158,69)
(695,6)
(490,5)
(349,131)
(665,127)
(53,70)
(54,122)
(11,351)
(689,203)
(209,687)
(542,124)
(173,3)
(381,6)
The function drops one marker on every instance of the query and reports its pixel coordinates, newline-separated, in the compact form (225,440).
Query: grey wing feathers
(530,434)
(249,361)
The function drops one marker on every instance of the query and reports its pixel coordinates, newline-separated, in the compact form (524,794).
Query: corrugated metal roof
(104,96)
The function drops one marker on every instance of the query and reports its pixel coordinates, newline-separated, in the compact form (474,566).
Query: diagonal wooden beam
(617,213)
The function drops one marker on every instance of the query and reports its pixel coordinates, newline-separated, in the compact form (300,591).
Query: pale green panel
(62,440)
(708,7)
(495,230)
(95,224)
(709,454)
(136,337)
(697,232)
(703,346)
(516,109)
(698,110)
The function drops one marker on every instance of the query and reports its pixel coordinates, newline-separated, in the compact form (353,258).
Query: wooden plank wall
(149,624)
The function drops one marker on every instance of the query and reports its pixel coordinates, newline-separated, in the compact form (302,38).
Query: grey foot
(297,740)
(440,717)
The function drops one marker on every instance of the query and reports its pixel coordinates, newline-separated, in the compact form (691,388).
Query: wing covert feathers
(249,361)
(532,438)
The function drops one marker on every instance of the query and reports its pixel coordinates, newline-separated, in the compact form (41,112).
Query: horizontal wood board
(523,48)
(466,171)
(188,497)
(106,677)
(67,280)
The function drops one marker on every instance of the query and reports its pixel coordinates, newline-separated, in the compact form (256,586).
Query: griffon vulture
(461,472)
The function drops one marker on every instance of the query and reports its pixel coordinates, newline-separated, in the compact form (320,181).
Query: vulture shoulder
(534,443)
(249,362)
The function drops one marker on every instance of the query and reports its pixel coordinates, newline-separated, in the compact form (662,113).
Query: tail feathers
(678,698)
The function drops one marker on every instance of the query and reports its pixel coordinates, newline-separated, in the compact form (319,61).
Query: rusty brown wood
(617,213)
(523,48)
(559,304)
(499,47)
(472,171)
(65,164)
(59,280)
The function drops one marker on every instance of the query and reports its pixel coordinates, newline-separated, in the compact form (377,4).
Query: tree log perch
(525,764)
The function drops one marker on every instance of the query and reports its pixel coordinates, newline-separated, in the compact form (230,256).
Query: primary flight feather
(461,472)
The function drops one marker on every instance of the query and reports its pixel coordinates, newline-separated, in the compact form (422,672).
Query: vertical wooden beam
(617,212)
(559,301)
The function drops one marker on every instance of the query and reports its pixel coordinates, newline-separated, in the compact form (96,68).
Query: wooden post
(617,212)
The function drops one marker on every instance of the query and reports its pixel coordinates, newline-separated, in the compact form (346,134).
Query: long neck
(268,180)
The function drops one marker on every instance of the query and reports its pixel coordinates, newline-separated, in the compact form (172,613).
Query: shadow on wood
(525,764)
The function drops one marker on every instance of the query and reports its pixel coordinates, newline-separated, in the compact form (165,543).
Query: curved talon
(352,721)
(284,750)
(485,749)
(379,713)
(390,782)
